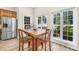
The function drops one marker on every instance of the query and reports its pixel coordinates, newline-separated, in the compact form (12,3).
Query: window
(57,25)
(42,20)
(39,20)
(68,17)
(26,22)
(68,33)
(63,23)
(68,25)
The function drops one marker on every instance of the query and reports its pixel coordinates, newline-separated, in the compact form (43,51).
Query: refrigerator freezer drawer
(9,35)
(4,35)
(13,34)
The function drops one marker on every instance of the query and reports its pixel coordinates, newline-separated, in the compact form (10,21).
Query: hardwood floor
(8,45)
(12,45)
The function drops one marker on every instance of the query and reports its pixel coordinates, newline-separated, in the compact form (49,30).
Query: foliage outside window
(66,18)
(57,25)
(67,23)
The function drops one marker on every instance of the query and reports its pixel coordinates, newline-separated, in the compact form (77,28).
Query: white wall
(78,25)
(24,11)
(46,11)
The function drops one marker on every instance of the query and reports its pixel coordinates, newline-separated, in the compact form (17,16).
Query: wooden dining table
(36,35)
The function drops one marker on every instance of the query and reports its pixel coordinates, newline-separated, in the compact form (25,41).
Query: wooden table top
(36,33)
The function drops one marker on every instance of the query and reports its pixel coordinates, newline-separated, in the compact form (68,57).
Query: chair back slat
(48,33)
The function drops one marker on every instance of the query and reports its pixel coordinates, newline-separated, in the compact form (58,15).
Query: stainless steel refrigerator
(9,28)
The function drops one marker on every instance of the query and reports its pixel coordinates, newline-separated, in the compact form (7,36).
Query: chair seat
(43,41)
(27,38)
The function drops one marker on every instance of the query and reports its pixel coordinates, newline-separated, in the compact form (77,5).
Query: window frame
(56,25)
(27,22)
(61,24)
(41,24)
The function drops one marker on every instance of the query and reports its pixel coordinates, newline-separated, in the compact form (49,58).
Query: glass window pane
(54,19)
(65,33)
(58,20)
(54,35)
(58,14)
(65,37)
(70,38)
(39,20)
(65,17)
(65,13)
(70,12)
(57,31)
(44,19)
(70,19)
(64,20)
(26,22)
(65,28)
(68,33)
(69,28)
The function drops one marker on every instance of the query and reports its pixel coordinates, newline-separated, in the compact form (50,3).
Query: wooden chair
(45,39)
(24,37)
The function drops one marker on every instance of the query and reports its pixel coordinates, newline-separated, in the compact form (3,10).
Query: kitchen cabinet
(7,13)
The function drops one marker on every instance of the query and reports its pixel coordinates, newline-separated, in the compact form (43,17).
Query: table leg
(35,45)
(19,44)
(32,44)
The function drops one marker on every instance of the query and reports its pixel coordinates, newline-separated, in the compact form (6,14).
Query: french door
(63,25)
